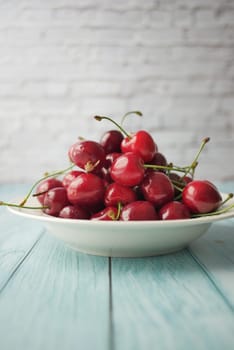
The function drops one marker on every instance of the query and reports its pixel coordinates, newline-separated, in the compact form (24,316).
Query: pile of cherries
(125,177)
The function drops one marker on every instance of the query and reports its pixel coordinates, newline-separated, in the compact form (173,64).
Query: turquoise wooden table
(53,298)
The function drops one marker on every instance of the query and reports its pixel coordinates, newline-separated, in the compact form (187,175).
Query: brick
(213,18)
(101,88)
(211,36)
(183,18)
(102,106)
(223,87)
(130,4)
(101,18)
(160,19)
(202,53)
(20,36)
(227,105)
(160,37)
(200,3)
(76,36)
(43,89)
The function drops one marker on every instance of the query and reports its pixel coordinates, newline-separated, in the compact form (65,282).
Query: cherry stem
(46,176)
(139,113)
(229,196)
(39,193)
(194,163)
(100,118)
(217,212)
(119,210)
(19,206)
(179,169)
(177,187)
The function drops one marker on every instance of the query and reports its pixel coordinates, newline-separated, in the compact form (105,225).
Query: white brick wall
(63,61)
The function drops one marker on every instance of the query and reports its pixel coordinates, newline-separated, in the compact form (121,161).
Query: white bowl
(121,238)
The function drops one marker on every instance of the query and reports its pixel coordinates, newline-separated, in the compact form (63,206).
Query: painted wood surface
(54,298)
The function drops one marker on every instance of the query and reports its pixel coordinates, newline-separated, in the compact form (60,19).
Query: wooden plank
(17,235)
(57,299)
(50,296)
(168,302)
(215,253)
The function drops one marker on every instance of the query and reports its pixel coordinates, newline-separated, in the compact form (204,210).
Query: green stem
(163,167)
(19,206)
(194,163)
(56,173)
(217,212)
(119,210)
(100,118)
(177,187)
(229,196)
(128,113)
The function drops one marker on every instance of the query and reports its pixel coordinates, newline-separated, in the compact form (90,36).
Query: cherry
(69,177)
(140,143)
(128,169)
(138,210)
(201,196)
(111,141)
(157,188)
(110,157)
(117,193)
(187,179)
(87,155)
(175,177)
(158,159)
(86,190)
(173,211)
(104,173)
(55,199)
(45,186)
(74,212)
(110,213)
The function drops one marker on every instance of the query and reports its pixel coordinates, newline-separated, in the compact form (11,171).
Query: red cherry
(158,159)
(45,186)
(87,155)
(107,214)
(69,177)
(110,157)
(117,193)
(139,210)
(55,199)
(111,141)
(201,196)
(141,143)
(157,189)
(86,190)
(128,169)
(74,212)
(104,173)
(174,211)
(187,179)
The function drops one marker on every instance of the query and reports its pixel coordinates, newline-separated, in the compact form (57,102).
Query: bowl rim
(37,214)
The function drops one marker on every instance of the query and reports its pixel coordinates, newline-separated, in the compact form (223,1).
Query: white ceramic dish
(124,239)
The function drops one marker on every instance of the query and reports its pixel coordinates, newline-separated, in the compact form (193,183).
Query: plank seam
(211,278)
(111,345)
(20,262)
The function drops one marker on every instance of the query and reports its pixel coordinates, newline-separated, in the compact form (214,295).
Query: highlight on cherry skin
(123,177)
